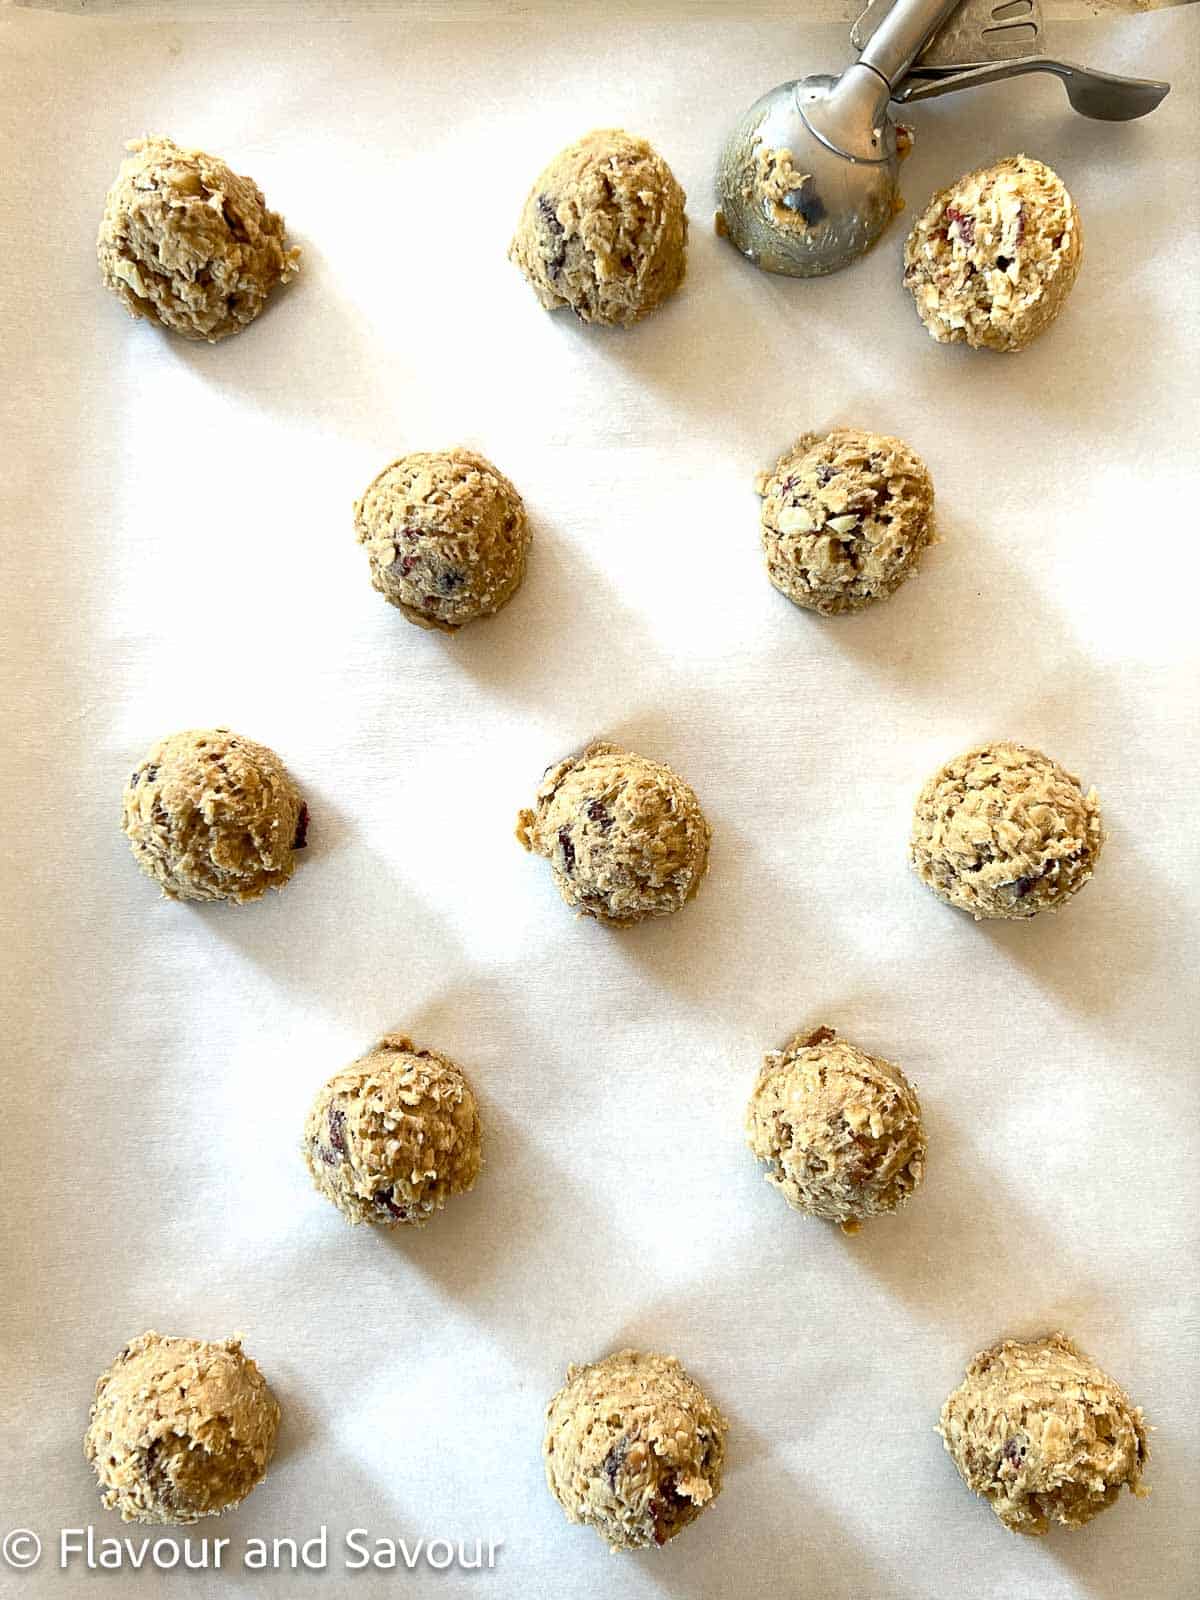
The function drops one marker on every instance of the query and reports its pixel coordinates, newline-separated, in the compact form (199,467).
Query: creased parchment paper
(177,551)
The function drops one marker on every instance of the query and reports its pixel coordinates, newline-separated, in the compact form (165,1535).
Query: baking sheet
(177,551)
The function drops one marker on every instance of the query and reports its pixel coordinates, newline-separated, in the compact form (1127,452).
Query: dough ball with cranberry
(180,1429)
(394,1135)
(446,535)
(1005,832)
(633,1449)
(840,1131)
(212,816)
(1043,1435)
(188,244)
(625,837)
(846,518)
(991,259)
(603,230)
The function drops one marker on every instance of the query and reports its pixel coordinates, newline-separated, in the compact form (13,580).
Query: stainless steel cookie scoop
(809,177)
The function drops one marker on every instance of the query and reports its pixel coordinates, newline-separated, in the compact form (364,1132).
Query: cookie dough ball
(991,260)
(212,816)
(394,1135)
(624,836)
(1004,832)
(840,1130)
(633,1448)
(846,517)
(447,536)
(603,230)
(1039,1431)
(189,244)
(180,1429)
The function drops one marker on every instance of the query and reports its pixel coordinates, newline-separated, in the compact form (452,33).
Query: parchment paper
(177,551)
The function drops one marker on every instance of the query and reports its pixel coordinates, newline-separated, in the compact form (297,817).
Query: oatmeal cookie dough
(783,192)
(633,1448)
(840,1130)
(991,259)
(188,244)
(446,535)
(846,517)
(212,816)
(180,1429)
(391,1137)
(603,230)
(1044,1435)
(625,837)
(1004,832)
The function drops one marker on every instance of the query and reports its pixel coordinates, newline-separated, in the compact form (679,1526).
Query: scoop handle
(903,34)
(1101,95)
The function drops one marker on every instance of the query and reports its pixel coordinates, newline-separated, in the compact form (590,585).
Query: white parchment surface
(176,550)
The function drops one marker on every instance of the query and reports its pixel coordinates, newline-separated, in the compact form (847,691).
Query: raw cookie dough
(624,836)
(446,534)
(180,1429)
(391,1137)
(213,816)
(841,1131)
(603,230)
(633,1448)
(992,258)
(846,517)
(1039,1431)
(189,244)
(782,191)
(1003,831)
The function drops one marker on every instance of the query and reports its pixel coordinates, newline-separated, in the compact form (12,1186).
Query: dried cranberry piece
(966,224)
(337,1129)
(301,839)
(159,1472)
(664,1509)
(549,215)
(1022,886)
(383,1199)
(598,812)
(568,849)
(1014,1452)
(615,1460)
